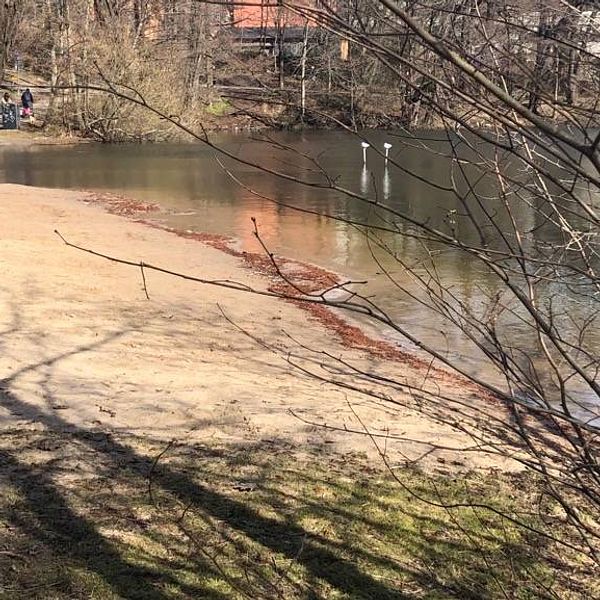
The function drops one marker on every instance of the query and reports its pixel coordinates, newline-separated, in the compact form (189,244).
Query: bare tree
(9,19)
(513,94)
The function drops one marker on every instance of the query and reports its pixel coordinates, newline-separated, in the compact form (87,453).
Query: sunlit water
(202,195)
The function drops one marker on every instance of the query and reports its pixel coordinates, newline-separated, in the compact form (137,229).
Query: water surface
(203,195)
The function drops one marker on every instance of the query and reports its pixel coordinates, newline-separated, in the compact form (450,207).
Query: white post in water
(387,147)
(365,145)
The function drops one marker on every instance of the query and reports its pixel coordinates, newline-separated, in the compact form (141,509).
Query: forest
(224,64)
(356,363)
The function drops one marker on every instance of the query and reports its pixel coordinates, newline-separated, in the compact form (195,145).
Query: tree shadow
(208,516)
(86,544)
(48,519)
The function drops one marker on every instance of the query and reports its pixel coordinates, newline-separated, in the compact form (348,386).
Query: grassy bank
(90,516)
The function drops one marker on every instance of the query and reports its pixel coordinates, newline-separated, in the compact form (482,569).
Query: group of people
(26,102)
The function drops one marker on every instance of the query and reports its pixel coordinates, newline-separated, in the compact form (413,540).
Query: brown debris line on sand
(117,204)
(84,350)
(312,279)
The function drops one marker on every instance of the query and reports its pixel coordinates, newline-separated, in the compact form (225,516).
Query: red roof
(266,13)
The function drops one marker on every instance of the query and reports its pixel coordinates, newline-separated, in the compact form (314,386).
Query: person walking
(27,103)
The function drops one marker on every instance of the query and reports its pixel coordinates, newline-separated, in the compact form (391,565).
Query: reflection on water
(188,180)
(387,184)
(364,180)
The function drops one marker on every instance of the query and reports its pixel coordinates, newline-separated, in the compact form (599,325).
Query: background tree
(9,20)
(512,90)
(516,167)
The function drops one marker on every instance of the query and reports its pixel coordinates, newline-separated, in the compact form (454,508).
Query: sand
(83,349)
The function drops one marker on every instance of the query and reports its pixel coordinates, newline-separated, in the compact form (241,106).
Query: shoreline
(32,136)
(308,277)
(86,351)
(351,336)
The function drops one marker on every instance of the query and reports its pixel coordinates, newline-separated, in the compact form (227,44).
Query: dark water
(188,180)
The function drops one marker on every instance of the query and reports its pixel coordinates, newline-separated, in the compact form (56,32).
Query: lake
(200,193)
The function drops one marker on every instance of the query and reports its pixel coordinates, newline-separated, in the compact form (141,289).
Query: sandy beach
(83,349)
(176,447)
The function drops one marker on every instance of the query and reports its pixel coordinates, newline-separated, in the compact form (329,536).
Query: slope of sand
(82,349)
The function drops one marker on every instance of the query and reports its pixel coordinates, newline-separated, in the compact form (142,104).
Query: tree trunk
(9,17)
(280,40)
(541,56)
(303,71)
(54,68)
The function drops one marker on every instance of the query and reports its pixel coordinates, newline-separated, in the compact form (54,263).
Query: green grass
(218,108)
(78,519)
